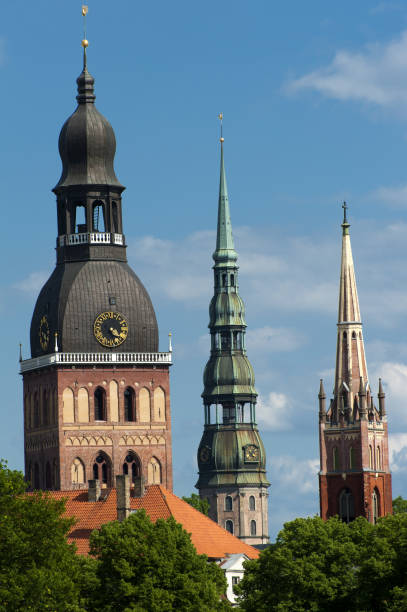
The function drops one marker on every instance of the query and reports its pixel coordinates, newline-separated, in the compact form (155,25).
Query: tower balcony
(91,238)
(86,359)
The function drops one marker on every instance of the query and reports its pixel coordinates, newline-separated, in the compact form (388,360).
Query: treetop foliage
(198,503)
(330,566)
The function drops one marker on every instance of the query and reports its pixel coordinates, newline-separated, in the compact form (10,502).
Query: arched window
(252,528)
(37,483)
(100,404)
(378,459)
(36,410)
(55,473)
(229,526)
(48,476)
(129,405)
(98,217)
(45,413)
(159,404)
(228,503)
(352,458)
(154,471)
(353,335)
(102,469)
(77,471)
(375,505)
(80,219)
(224,280)
(232,280)
(370,456)
(346,506)
(252,502)
(131,466)
(335,459)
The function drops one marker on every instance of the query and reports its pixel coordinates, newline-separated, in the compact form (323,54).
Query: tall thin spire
(225,248)
(351,360)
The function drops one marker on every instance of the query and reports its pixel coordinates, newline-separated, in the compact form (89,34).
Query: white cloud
(375,75)
(275,412)
(395,197)
(270,339)
(33,283)
(298,475)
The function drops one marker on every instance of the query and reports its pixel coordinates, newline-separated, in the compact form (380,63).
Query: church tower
(96,389)
(231,456)
(355,478)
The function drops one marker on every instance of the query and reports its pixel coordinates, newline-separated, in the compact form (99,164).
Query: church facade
(96,388)
(354,478)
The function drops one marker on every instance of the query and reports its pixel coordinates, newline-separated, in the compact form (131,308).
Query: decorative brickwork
(355,477)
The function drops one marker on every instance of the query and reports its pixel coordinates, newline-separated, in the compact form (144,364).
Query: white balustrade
(90,238)
(94,358)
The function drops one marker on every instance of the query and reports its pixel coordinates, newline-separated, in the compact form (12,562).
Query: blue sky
(314,97)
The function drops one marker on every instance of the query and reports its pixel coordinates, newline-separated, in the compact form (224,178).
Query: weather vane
(345,208)
(220,117)
(85,42)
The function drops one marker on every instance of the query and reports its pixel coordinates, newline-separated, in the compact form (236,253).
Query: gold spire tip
(85,43)
(220,117)
(85,10)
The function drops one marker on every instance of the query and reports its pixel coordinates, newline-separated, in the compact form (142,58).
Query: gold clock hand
(114,331)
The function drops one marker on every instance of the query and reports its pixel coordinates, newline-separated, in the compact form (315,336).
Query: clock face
(204,454)
(110,329)
(43,333)
(251,453)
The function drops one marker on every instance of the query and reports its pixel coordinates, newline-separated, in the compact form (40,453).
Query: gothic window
(370,457)
(352,458)
(77,471)
(252,528)
(100,404)
(129,405)
(229,526)
(114,401)
(83,405)
(36,476)
(68,406)
(228,503)
(346,506)
(98,217)
(131,466)
(102,469)
(144,405)
(375,505)
(335,459)
(154,471)
(252,502)
(378,459)
(48,476)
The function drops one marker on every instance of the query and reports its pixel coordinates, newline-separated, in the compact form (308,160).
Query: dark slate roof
(87,143)
(76,293)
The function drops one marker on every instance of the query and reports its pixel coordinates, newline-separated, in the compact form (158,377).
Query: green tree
(38,568)
(146,566)
(198,503)
(329,566)
(399,505)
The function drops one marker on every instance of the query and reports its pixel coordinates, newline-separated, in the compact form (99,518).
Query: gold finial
(220,117)
(85,42)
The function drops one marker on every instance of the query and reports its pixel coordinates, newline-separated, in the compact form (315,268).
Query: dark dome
(87,144)
(76,293)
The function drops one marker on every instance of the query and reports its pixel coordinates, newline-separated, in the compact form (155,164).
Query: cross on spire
(345,208)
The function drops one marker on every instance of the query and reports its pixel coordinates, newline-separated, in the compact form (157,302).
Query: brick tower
(96,389)
(355,477)
(231,456)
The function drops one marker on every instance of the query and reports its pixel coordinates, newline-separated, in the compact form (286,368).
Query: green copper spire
(225,248)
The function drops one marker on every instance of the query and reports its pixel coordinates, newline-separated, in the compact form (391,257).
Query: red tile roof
(206,535)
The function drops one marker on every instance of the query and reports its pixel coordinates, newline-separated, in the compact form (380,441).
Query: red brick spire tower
(355,477)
